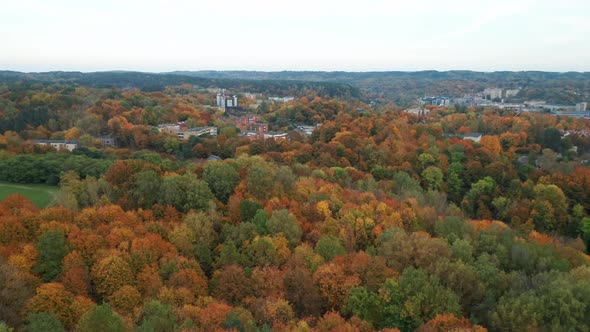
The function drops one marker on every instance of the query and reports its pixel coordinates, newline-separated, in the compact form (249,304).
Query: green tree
(365,305)
(185,192)
(100,318)
(146,188)
(222,178)
(455,182)
(157,317)
(478,199)
(260,220)
(284,222)
(433,178)
(329,247)
(43,322)
(52,249)
(425,297)
(248,209)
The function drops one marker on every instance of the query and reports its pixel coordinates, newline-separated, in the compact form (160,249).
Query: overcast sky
(159,35)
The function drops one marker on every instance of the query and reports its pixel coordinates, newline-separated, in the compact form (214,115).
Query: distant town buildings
(436,100)
(58,144)
(224,101)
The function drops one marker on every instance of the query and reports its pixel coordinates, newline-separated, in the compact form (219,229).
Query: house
(58,144)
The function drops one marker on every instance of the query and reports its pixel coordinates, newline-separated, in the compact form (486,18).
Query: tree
(329,247)
(126,299)
(248,210)
(110,274)
(260,179)
(52,249)
(44,322)
(231,284)
(455,182)
(365,305)
(185,192)
(146,188)
(425,297)
(284,222)
(479,198)
(100,318)
(222,178)
(54,297)
(157,317)
(550,208)
(17,287)
(334,284)
(433,178)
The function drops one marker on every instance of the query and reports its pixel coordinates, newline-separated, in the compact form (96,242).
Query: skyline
(261,35)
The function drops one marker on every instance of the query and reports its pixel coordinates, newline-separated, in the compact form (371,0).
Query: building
(253,135)
(281,99)
(107,141)
(476,137)
(581,107)
(275,135)
(184,135)
(509,93)
(436,100)
(58,144)
(259,127)
(247,120)
(417,111)
(493,93)
(306,130)
(224,101)
(170,128)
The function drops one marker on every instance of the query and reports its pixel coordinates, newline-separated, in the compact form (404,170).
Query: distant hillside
(405,87)
(156,82)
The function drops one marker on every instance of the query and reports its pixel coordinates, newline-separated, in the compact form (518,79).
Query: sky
(275,35)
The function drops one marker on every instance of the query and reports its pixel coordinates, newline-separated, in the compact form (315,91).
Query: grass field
(40,195)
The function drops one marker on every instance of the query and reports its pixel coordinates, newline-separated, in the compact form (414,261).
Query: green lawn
(40,195)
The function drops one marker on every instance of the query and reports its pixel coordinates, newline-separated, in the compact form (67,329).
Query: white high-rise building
(224,101)
(581,107)
(493,93)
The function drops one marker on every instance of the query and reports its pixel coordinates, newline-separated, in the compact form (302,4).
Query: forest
(380,220)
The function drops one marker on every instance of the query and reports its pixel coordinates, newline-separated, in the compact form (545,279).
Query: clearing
(41,195)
